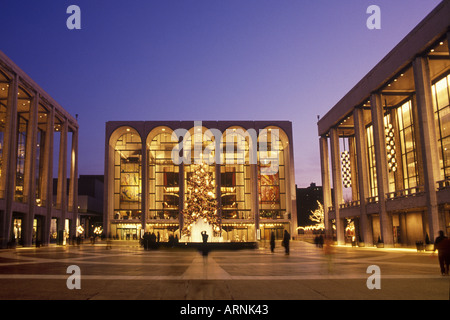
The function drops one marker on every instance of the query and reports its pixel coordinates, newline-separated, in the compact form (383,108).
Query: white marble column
(337,183)
(363,175)
(428,142)
(326,188)
(379,138)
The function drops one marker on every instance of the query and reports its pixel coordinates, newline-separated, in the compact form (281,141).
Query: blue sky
(202,60)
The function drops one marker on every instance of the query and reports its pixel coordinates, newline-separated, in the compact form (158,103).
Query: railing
(236,214)
(350,204)
(163,214)
(273,214)
(444,184)
(372,199)
(411,192)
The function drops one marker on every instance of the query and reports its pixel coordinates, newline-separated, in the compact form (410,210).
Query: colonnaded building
(36,136)
(148,165)
(385,146)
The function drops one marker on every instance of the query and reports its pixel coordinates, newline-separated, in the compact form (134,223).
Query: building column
(326,188)
(218,191)
(30,173)
(73,188)
(9,161)
(379,138)
(47,188)
(363,175)
(428,139)
(255,198)
(61,196)
(181,196)
(337,183)
(144,184)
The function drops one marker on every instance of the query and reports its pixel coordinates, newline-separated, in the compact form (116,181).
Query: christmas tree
(201,200)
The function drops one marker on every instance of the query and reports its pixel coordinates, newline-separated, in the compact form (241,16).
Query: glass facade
(372,162)
(441,104)
(43,118)
(127,177)
(163,178)
(272,187)
(241,187)
(407,145)
(23,122)
(4,89)
(235,176)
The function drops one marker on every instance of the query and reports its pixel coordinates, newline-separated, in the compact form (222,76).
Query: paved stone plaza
(130,273)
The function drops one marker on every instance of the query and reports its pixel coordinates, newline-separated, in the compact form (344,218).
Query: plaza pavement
(131,273)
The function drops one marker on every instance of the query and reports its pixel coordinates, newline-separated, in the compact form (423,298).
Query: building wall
(33,129)
(146,191)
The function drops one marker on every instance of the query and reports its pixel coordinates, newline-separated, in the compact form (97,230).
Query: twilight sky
(202,60)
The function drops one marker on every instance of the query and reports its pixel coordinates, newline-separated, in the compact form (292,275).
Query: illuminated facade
(147,169)
(395,126)
(36,136)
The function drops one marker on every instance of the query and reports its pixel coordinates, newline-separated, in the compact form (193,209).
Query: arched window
(235,174)
(163,175)
(128,175)
(272,144)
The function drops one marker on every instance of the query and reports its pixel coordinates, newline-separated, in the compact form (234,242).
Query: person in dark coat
(204,247)
(272,241)
(442,245)
(286,239)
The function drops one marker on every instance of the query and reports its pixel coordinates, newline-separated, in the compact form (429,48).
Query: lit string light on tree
(201,200)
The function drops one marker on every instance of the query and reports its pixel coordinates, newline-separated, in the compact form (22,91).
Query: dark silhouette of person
(204,237)
(272,242)
(204,247)
(286,238)
(442,245)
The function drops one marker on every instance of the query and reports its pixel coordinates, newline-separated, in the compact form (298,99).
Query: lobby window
(272,187)
(4,89)
(23,122)
(163,176)
(407,145)
(195,142)
(43,115)
(441,98)
(127,176)
(372,162)
(235,176)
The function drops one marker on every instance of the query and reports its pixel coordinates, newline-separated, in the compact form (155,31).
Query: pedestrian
(204,247)
(442,245)
(272,242)
(286,239)
(321,241)
(146,240)
(328,252)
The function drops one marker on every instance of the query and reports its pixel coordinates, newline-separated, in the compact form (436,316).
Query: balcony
(443,184)
(411,192)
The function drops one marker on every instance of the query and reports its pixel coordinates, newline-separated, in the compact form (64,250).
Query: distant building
(306,202)
(90,202)
(34,128)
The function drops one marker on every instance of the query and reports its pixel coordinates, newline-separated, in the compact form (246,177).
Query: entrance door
(16,234)
(37,231)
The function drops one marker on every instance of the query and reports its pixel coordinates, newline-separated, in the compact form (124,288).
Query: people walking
(272,242)
(286,238)
(442,245)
